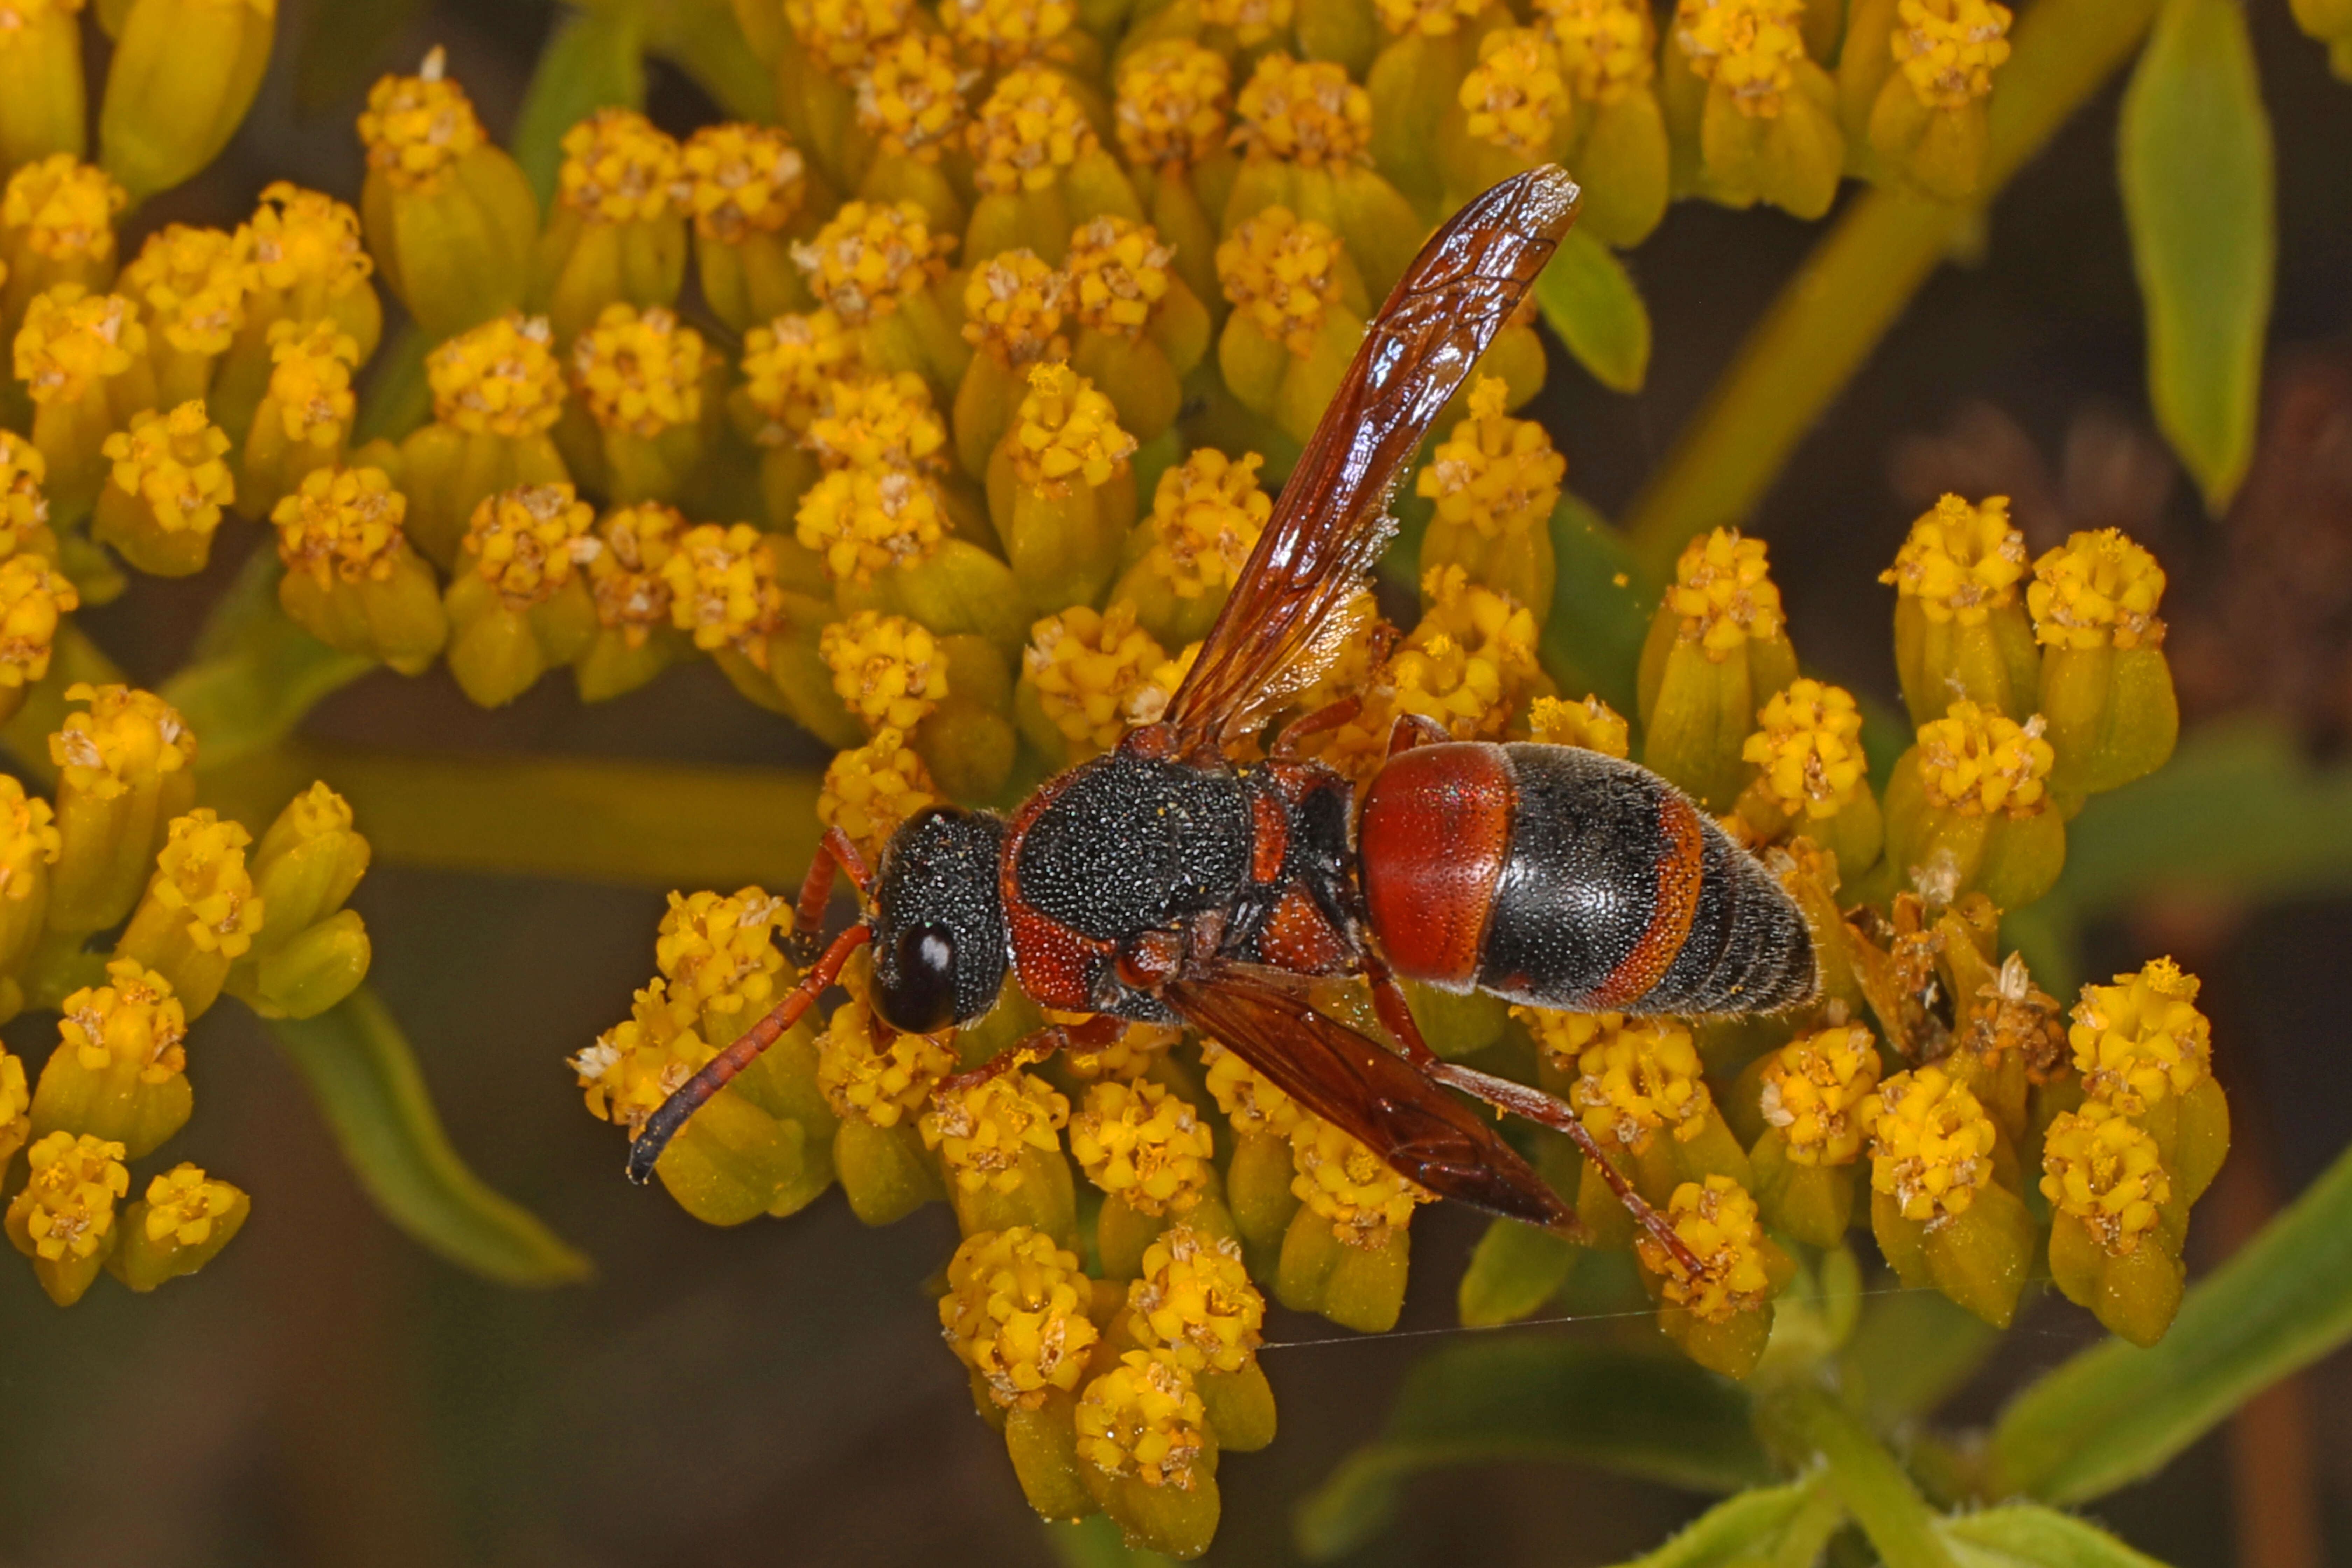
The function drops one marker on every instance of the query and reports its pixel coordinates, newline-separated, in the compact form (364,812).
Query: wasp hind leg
(1099,1030)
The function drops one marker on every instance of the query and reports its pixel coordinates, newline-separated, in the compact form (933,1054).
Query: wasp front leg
(834,850)
(1096,1032)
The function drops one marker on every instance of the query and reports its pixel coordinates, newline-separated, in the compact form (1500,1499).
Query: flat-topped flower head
(302,241)
(1637,1078)
(1194,1302)
(1960,562)
(1085,664)
(1143,1146)
(62,208)
(640,372)
(415,127)
(201,877)
(1013,306)
(1515,96)
(341,524)
(871,790)
(982,1132)
(528,541)
(1015,1312)
(72,339)
(843,35)
(1815,1091)
(34,598)
(2141,1039)
(184,1205)
(740,180)
(1948,49)
(1345,1183)
(626,577)
(870,256)
(1430,19)
(126,738)
(1144,1420)
(500,378)
(2097,590)
(723,588)
(176,463)
(1283,273)
(1250,1101)
(1494,473)
(1118,273)
(1065,432)
(132,1020)
(1206,517)
(71,1187)
(999,33)
(1807,748)
(877,421)
(1605,49)
(870,517)
(788,366)
(1718,1220)
(1591,724)
(24,508)
(1749,47)
(2097,1166)
(718,950)
(618,167)
(1305,112)
(911,96)
(632,1067)
(1470,658)
(867,1071)
(310,377)
(1931,1144)
(1029,130)
(1174,102)
(191,283)
(1251,22)
(888,669)
(1724,593)
(1974,761)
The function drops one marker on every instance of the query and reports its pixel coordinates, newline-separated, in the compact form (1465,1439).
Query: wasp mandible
(1172,881)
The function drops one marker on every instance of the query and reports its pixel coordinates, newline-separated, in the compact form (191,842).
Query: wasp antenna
(646,1149)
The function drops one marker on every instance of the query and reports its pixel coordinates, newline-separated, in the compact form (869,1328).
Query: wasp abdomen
(1561,877)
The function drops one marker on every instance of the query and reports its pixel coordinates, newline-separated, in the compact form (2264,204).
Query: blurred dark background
(327,1394)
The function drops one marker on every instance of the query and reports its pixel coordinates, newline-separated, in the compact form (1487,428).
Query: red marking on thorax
(1682,861)
(1053,963)
(1299,936)
(1430,842)
(1269,837)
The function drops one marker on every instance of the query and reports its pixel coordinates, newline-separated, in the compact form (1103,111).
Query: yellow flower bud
(1515,97)
(634,1067)
(124,772)
(193,284)
(1342,1182)
(1636,1076)
(2105,1173)
(789,365)
(1975,763)
(57,225)
(168,484)
(1142,1145)
(183,74)
(1027,131)
(179,1226)
(306,263)
(64,1218)
(1015,1312)
(873,1074)
(888,669)
(1304,112)
(2142,1040)
(1816,1091)
(83,360)
(307,864)
(1750,47)
(1251,22)
(1173,101)
(1083,666)
(352,581)
(867,261)
(119,1069)
(2097,590)
(1143,1418)
(305,417)
(42,110)
(843,34)
(983,1132)
(24,509)
(1494,481)
(871,790)
(1195,1304)
(617,233)
(720,957)
(1948,49)
(1931,1145)
(28,847)
(1960,629)
(910,97)
(2105,682)
(200,912)
(34,598)
(1718,1220)
(499,378)
(529,543)
(520,604)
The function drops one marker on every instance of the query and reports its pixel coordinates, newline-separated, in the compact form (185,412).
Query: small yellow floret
(132,1020)
(1085,664)
(1015,1312)
(499,378)
(310,378)
(877,421)
(1251,1102)
(1718,1220)
(1497,474)
(2097,590)
(1470,658)
(1948,49)
(788,368)
(1119,274)
(1591,724)
(639,372)
(719,950)
(191,284)
(1342,1179)
(1283,273)
(126,739)
(632,1068)
(184,1204)
(29,835)
(72,339)
(2105,1170)
(1637,1076)
(868,518)
(1143,1418)
(1173,98)
(867,1071)
(910,97)
(1930,1144)
(304,242)
(740,180)
(888,669)
(200,875)
(1306,111)
(1814,1091)
(34,598)
(1143,1146)
(999,33)
(1974,761)
(1807,748)
(1030,130)
(845,33)
(1206,517)
(1012,309)
(1605,45)
(1960,562)
(24,509)
(416,126)
(871,790)
(1749,47)
(1252,22)
(1724,594)
(1194,1302)
(1065,432)
(62,208)
(69,1197)
(1515,96)
(527,542)
(342,523)
(871,255)
(626,578)
(618,167)
(723,588)
(982,1132)
(173,463)
(2142,1038)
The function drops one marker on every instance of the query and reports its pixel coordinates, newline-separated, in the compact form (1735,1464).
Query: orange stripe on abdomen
(1680,870)
(1431,841)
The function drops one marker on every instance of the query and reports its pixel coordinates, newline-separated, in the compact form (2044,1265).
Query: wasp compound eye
(920,996)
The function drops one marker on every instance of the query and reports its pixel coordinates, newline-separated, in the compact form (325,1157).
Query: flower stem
(1863,1476)
(1848,293)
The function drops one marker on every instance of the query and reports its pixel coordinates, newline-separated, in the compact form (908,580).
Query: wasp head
(940,944)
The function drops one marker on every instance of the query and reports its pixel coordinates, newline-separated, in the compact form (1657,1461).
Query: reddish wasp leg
(1412,730)
(672,1114)
(808,916)
(1099,1030)
(1545,1112)
(1323,719)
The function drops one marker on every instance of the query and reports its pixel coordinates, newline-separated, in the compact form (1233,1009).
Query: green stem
(1864,1477)
(1850,290)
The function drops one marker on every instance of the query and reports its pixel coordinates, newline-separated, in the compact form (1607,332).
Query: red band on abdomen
(1681,864)
(1430,843)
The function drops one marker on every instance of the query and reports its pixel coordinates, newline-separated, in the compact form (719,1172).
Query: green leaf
(1744,1531)
(1601,610)
(2115,1414)
(1882,1497)
(255,673)
(1647,1414)
(1590,301)
(2198,194)
(2026,1535)
(366,1078)
(595,59)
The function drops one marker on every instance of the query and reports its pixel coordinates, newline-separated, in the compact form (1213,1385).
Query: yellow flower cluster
(1118,271)
(1948,49)
(2097,590)
(1194,1302)
(1749,46)
(1065,432)
(878,1077)
(2141,1039)
(864,519)
(1249,1102)
(1592,723)
(33,600)
(618,168)
(66,1207)
(1431,18)
(1975,762)
(1284,273)
(415,127)
(1635,1076)
(1012,309)
(1304,112)
(2106,1172)
(910,97)
(1718,1220)
(1005,32)
(1206,517)
(174,464)
(201,879)
(788,366)
(133,1021)
(740,180)
(1015,1312)
(191,284)
(310,377)
(1087,666)
(888,669)
(1604,47)
(1931,1145)
(627,578)
(1807,748)
(124,735)
(982,1132)
(1960,562)
(72,339)
(528,541)
(640,372)
(1173,97)
(64,208)
(871,255)
(869,790)
(341,524)
(1345,1183)
(1028,130)
(1143,1146)
(843,34)
(499,378)
(1724,594)
(1492,472)
(1817,1091)
(722,584)
(1516,95)
(1143,1418)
